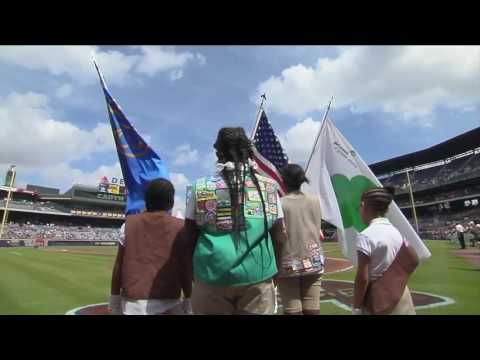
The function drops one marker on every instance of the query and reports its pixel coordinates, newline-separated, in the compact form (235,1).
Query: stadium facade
(445,182)
(83,214)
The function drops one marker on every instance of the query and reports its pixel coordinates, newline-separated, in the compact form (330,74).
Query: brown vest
(384,294)
(154,261)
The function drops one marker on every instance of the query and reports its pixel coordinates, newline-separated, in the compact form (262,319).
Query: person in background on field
(232,218)
(472,230)
(152,267)
(377,248)
(300,257)
(460,234)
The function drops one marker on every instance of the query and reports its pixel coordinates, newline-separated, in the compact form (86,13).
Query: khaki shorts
(404,307)
(300,293)
(256,299)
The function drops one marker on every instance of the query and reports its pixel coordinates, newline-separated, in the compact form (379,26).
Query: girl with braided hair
(233,217)
(379,248)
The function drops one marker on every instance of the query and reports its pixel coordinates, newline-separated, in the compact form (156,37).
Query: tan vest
(154,260)
(301,254)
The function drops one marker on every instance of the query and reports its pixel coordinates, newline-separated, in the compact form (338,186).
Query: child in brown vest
(153,268)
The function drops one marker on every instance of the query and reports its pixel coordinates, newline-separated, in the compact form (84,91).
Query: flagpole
(260,108)
(7,201)
(318,134)
(412,201)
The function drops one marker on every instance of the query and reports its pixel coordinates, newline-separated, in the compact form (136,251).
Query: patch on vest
(213,205)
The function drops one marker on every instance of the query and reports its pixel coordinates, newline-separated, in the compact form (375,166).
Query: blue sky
(388,101)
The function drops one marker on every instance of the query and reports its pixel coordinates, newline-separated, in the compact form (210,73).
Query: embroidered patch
(272,209)
(253,209)
(306,264)
(296,265)
(210,205)
(205,195)
(201,185)
(210,218)
(222,195)
(270,188)
(317,261)
(249,183)
(224,225)
(272,199)
(221,184)
(201,206)
(253,196)
(224,212)
(211,185)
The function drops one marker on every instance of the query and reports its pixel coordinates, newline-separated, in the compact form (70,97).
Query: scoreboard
(113,185)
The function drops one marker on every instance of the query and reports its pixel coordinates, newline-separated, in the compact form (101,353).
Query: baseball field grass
(57,279)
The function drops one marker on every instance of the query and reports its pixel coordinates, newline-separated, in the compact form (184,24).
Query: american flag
(268,153)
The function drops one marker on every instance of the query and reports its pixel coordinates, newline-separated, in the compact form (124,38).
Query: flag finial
(264,98)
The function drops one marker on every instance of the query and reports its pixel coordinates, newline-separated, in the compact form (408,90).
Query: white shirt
(148,306)
(380,241)
(460,228)
(191,205)
(144,306)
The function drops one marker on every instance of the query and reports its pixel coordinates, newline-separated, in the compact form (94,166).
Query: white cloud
(116,65)
(408,80)
(210,161)
(298,140)
(180,182)
(64,176)
(31,135)
(74,61)
(162,58)
(64,91)
(202,60)
(176,74)
(185,155)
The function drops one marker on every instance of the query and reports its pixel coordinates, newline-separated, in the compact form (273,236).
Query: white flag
(339,176)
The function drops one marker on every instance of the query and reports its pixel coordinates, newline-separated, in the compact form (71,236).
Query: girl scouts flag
(139,163)
(339,176)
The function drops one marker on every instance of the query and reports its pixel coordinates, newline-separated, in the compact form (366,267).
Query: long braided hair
(233,145)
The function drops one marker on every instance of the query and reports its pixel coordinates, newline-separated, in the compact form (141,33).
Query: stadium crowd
(441,226)
(49,207)
(456,170)
(59,231)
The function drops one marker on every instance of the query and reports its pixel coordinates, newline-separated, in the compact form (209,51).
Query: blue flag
(139,163)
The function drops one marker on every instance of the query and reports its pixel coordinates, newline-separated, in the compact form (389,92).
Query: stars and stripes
(268,152)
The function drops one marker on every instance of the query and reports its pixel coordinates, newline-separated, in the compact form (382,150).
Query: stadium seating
(53,231)
(467,167)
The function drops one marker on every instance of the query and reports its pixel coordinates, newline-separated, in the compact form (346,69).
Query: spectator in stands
(152,267)
(378,247)
(300,258)
(460,234)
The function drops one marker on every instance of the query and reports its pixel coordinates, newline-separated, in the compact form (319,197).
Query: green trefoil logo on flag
(348,193)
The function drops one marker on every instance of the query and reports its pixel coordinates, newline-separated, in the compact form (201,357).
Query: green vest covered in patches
(218,248)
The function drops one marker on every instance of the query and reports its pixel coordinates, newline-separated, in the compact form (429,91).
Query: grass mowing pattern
(44,282)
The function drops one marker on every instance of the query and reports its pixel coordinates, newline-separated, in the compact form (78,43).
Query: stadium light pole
(5,209)
(412,201)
